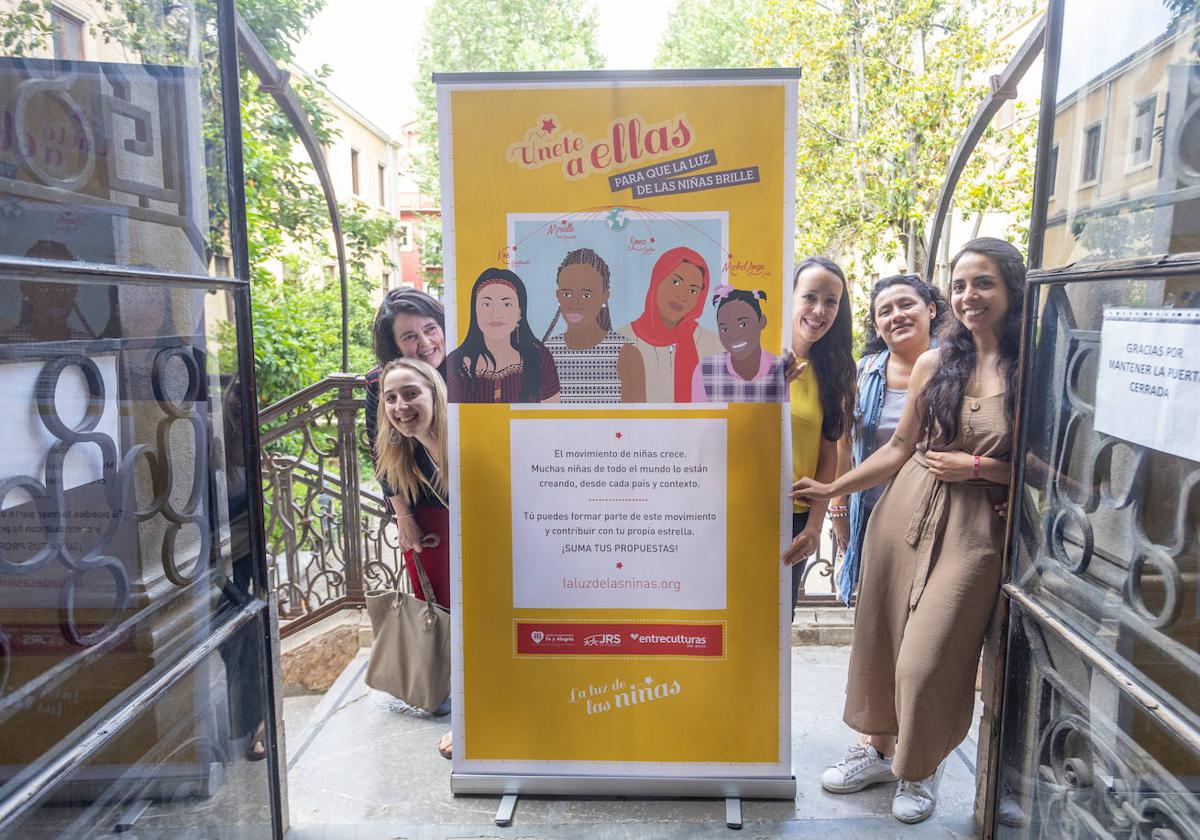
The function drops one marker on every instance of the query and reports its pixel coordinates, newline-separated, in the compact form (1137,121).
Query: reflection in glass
(176,771)
(124,528)
(1125,179)
(110,136)
(1107,544)
(1080,758)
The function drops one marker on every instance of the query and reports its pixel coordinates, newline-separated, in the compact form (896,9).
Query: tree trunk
(945,278)
(855,63)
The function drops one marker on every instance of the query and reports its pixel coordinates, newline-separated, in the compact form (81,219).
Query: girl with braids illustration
(745,372)
(595,363)
(500,360)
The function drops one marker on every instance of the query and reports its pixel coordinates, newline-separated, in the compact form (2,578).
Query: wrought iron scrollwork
(1115,560)
(52,509)
(51,503)
(192,511)
(329,539)
(1096,474)
(1088,776)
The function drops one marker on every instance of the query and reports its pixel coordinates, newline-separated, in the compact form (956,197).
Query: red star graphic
(620,565)
(617,436)
(548,126)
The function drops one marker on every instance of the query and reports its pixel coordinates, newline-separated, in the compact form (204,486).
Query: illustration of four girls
(663,355)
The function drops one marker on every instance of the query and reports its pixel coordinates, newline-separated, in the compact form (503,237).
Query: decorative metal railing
(328,537)
(816,587)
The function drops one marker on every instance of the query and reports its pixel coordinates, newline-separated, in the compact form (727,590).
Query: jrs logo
(603,640)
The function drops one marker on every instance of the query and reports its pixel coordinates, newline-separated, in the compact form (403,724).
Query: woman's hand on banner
(802,546)
(809,490)
(793,367)
(409,536)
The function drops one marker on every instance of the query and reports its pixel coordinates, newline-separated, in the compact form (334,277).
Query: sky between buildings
(372,46)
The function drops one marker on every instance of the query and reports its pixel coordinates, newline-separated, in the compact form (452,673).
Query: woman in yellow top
(822,394)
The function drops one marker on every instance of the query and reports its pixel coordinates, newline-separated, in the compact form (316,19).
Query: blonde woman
(410,456)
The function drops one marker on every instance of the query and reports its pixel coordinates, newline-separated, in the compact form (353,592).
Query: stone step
(823,626)
(312,658)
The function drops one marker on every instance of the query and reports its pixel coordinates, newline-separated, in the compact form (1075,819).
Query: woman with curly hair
(409,325)
(904,313)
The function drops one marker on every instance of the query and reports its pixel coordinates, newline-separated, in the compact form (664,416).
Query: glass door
(1101,725)
(135,657)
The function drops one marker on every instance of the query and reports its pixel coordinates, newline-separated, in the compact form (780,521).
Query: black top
(426,497)
(372,410)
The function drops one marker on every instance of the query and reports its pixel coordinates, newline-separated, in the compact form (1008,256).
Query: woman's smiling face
(903,318)
(678,292)
(408,402)
(740,329)
(497,310)
(419,337)
(978,296)
(815,302)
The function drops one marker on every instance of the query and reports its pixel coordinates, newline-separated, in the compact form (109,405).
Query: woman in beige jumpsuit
(933,544)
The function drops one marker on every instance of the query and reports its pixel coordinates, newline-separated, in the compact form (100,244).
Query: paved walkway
(363,768)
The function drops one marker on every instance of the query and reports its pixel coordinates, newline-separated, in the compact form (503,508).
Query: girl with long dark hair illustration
(596,364)
(500,360)
(666,334)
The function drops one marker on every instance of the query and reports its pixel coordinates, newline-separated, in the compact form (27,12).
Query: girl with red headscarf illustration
(666,334)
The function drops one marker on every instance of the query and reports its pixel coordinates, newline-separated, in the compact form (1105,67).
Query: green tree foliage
(297,314)
(25,27)
(429,234)
(482,35)
(710,33)
(889,88)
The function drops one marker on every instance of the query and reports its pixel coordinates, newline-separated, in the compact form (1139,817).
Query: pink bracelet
(975,469)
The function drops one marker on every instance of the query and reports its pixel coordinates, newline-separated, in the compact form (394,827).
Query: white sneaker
(860,767)
(915,801)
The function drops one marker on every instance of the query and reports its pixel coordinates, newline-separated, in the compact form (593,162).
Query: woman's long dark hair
(943,393)
(403,302)
(929,294)
(832,357)
(523,340)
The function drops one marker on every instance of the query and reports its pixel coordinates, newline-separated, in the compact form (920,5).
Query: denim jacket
(872,384)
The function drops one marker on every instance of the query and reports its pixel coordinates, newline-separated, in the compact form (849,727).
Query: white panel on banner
(619,513)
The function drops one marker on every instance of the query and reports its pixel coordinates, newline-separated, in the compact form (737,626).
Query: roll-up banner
(618,249)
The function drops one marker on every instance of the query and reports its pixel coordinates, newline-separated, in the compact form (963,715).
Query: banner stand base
(508,806)
(733,814)
(769,787)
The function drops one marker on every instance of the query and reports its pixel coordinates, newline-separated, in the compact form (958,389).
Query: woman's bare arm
(887,460)
(632,374)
